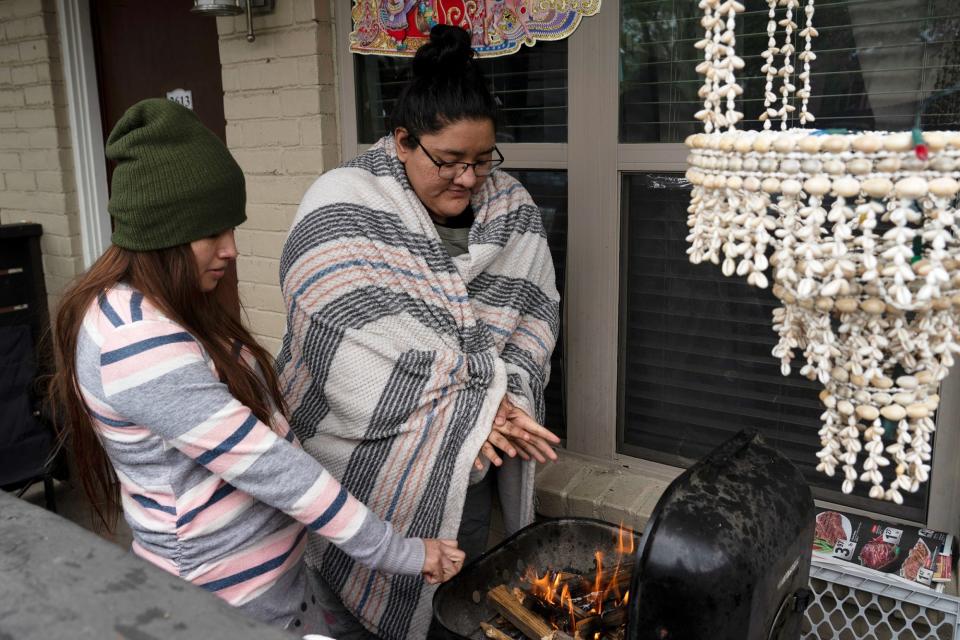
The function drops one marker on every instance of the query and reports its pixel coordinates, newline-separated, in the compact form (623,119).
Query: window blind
(696,362)
(549,190)
(876,60)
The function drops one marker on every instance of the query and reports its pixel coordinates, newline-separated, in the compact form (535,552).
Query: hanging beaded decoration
(859,234)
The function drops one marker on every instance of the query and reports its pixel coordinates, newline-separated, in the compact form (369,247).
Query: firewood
(580,585)
(530,624)
(556,634)
(492,632)
(609,620)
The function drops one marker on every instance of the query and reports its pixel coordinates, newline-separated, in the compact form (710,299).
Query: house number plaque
(181,96)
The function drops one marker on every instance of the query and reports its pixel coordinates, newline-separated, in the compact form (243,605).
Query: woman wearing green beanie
(172,408)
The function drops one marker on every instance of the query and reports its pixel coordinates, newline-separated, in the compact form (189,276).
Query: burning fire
(581,599)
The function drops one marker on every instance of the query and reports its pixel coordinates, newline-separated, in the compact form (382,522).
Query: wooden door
(147,48)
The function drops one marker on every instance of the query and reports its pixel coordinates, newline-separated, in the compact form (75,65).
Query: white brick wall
(36,166)
(280,105)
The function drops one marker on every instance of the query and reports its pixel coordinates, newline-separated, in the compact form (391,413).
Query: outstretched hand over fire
(516,434)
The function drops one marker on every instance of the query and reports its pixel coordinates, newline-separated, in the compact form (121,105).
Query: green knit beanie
(175,181)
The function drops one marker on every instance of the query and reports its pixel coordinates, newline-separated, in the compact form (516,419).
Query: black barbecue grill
(725,555)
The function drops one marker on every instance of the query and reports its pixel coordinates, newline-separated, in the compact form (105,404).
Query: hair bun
(448,53)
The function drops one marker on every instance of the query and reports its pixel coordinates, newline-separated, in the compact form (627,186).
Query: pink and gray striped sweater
(212,494)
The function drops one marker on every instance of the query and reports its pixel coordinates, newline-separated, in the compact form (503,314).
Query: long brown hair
(169,279)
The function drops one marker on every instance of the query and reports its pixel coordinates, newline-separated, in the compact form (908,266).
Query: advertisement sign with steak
(919,556)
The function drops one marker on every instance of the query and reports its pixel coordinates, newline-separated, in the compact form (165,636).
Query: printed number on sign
(844,549)
(181,96)
(924,576)
(892,535)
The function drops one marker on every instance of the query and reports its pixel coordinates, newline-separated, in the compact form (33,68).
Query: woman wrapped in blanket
(422,313)
(173,409)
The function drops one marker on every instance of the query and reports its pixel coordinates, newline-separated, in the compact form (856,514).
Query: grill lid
(726,552)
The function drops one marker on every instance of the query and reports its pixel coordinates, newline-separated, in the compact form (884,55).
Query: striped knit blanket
(397,356)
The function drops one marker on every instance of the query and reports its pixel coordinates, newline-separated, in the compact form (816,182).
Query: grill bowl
(460,605)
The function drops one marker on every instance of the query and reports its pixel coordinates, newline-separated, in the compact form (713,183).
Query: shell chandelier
(856,232)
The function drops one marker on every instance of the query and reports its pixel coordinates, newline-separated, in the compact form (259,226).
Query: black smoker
(725,555)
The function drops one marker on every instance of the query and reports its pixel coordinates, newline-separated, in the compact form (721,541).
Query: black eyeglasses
(451,170)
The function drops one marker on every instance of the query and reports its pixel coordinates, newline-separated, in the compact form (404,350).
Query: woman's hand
(441,560)
(516,433)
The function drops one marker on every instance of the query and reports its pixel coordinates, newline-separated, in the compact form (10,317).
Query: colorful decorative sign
(498,27)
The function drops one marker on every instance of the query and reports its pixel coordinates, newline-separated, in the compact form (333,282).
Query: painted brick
(6,77)
(585,498)
(15,140)
(277,189)
(304,160)
(25,28)
(259,161)
(262,296)
(282,16)
(269,74)
(315,70)
(12,98)
(309,10)
(58,224)
(230,78)
(267,323)
(36,118)
(54,181)
(26,7)
(21,180)
(259,270)
(235,49)
(67,246)
(24,75)
(262,133)
(240,106)
(234,133)
(9,53)
(8,120)
(264,244)
(298,42)
(41,94)
(301,102)
(46,160)
(64,266)
(35,201)
(328,99)
(9,161)
(325,42)
(48,138)
(270,217)
(225,26)
(318,130)
(34,50)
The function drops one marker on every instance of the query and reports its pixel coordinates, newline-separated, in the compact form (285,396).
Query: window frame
(595,162)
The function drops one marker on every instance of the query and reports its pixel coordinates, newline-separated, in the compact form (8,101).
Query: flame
(551,588)
(545,587)
(566,599)
(597,587)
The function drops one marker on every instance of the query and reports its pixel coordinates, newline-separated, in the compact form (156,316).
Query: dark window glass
(696,364)
(876,60)
(549,191)
(531,86)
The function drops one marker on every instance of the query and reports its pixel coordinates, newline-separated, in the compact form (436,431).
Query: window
(530,85)
(531,88)
(876,59)
(696,364)
(662,359)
